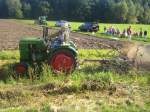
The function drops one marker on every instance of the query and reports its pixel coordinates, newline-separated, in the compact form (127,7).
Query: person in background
(105,29)
(118,32)
(124,33)
(129,32)
(110,30)
(145,34)
(113,31)
(141,33)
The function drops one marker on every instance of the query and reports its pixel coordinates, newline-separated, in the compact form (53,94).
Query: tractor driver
(63,34)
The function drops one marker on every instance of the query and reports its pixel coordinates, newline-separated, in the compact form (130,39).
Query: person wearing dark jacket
(145,34)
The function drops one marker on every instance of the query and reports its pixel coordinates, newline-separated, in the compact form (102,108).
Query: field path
(12,31)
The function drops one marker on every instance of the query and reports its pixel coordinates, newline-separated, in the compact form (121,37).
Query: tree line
(114,11)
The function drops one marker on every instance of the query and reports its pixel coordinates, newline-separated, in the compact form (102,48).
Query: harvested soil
(12,31)
(92,42)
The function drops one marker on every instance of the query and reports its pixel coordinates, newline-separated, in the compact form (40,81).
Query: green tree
(26,10)
(95,10)
(44,8)
(120,11)
(82,10)
(146,14)
(108,10)
(2,8)
(14,8)
(130,11)
(131,15)
(139,12)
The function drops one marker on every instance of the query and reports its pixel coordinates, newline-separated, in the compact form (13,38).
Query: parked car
(61,23)
(89,27)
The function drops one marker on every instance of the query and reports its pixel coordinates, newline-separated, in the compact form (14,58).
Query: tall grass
(87,71)
(97,54)
(90,78)
(7,55)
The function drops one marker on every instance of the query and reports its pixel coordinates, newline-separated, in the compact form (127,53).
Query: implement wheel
(63,61)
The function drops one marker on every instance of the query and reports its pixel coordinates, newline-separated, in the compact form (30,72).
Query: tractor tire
(63,61)
(20,68)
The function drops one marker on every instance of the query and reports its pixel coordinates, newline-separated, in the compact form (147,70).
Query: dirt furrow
(11,32)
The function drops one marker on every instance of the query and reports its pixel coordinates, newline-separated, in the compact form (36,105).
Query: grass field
(89,88)
(94,87)
(75,25)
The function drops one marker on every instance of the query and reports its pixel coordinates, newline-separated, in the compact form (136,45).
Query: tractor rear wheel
(63,61)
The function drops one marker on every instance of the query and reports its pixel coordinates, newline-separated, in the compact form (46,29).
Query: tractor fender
(71,49)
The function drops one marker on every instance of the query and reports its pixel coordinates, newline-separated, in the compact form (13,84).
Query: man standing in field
(129,32)
(141,33)
(145,34)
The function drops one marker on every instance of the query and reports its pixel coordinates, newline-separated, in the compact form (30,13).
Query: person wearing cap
(63,34)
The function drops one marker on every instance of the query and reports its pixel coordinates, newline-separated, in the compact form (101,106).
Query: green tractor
(62,58)
(41,20)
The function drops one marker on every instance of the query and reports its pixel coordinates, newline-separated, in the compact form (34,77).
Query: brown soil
(11,32)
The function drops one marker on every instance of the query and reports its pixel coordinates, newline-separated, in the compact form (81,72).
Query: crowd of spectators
(128,33)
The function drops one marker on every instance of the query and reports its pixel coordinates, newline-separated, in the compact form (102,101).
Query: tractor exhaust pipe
(45,33)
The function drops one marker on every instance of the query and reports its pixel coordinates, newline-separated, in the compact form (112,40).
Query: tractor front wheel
(21,68)
(63,62)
